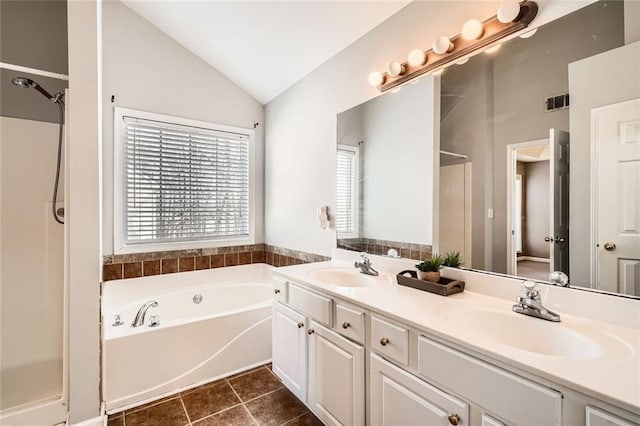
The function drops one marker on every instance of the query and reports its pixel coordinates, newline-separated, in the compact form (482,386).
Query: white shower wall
(31,251)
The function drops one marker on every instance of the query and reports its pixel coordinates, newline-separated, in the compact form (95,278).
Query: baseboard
(533,259)
(96,421)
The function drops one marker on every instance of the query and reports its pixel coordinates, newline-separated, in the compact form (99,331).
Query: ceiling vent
(557,102)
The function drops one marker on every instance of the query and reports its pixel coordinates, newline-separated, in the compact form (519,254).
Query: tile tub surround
(119,266)
(382,247)
(255,397)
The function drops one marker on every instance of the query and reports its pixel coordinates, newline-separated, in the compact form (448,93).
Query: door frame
(511,182)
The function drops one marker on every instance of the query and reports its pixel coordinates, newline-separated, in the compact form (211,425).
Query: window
(347,182)
(180,183)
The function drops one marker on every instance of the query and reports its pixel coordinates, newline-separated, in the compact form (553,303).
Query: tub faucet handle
(117,321)
(154,320)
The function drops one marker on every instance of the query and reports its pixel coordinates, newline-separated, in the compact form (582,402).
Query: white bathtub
(227,332)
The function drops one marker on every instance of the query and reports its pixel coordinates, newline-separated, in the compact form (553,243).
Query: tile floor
(256,397)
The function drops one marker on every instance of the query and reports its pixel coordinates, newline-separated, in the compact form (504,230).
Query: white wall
(619,70)
(397,196)
(147,70)
(31,280)
(83,209)
(301,122)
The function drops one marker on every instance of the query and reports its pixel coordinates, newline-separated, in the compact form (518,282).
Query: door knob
(560,240)
(548,239)
(609,246)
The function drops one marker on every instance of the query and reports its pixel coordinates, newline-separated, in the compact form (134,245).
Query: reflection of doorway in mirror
(537,193)
(455,210)
(616,197)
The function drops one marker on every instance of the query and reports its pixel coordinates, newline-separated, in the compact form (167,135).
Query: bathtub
(227,331)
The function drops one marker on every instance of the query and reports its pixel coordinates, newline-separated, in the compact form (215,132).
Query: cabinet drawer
(390,340)
(313,304)
(597,417)
(350,322)
(280,290)
(492,388)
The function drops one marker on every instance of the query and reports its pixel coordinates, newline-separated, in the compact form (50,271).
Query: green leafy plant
(453,259)
(431,264)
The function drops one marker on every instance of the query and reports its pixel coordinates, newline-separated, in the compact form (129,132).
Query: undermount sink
(532,334)
(343,277)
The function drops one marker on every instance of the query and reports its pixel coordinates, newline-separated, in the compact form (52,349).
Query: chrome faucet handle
(559,278)
(531,289)
(365,258)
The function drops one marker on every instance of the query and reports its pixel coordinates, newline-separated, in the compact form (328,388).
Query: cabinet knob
(384,341)
(548,239)
(300,325)
(454,419)
(311,331)
(276,291)
(346,325)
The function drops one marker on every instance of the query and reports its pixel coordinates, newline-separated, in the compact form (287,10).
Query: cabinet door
(290,349)
(399,398)
(336,377)
(597,417)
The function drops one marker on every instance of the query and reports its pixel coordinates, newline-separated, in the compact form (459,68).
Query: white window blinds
(347,191)
(183,183)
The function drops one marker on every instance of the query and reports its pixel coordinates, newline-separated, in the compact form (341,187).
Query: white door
(616,130)
(290,349)
(455,210)
(336,377)
(559,200)
(399,398)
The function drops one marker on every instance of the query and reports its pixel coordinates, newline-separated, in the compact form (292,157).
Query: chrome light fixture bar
(511,18)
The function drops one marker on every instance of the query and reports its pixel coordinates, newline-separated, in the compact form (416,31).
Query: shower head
(25,83)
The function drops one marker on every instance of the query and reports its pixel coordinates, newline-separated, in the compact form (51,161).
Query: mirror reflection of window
(347,191)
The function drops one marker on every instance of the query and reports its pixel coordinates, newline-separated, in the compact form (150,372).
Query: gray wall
(536,199)
(522,73)
(32,34)
(145,69)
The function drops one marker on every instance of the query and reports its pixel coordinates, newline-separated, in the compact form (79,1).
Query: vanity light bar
(473,39)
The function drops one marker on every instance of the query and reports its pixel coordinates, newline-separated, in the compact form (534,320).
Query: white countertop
(613,377)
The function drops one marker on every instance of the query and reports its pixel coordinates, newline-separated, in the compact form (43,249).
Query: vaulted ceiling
(265,46)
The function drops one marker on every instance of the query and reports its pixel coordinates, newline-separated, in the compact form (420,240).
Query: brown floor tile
(252,385)
(305,420)
(276,408)
(150,404)
(209,399)
(236,416)
(242,373)
(168,413)
(115,420)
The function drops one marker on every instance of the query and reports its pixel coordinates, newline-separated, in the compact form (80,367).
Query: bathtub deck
(256,397)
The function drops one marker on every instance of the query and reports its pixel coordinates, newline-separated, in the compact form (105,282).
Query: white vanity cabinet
(399,398)
(290,349)
(320,366)
(336,377)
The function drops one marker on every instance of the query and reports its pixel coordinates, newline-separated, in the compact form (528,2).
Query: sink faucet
(530,304)
(139,320)
(365,266)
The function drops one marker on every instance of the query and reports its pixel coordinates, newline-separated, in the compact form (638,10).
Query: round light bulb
(463,61)
(508,11)
(438,72)
(472,30)
(529,33)
(376,79)
(394,69)
(416,58)
(442,45)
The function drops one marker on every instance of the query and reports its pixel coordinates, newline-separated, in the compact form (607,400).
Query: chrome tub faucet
(139,320)
(365,266)
(531,304)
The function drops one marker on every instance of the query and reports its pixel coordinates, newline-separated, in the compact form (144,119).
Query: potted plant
(453,259)
(429,269)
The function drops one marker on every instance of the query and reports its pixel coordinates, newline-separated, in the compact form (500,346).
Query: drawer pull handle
(454,419)
(276,291)
(384,341)
(311,331)
(346,325)
(300,325)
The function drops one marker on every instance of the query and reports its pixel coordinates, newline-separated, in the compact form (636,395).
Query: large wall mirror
(525,159)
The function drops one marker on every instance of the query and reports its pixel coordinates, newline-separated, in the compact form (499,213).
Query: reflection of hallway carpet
(534,270)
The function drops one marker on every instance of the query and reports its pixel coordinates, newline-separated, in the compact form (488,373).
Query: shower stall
(33,295)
